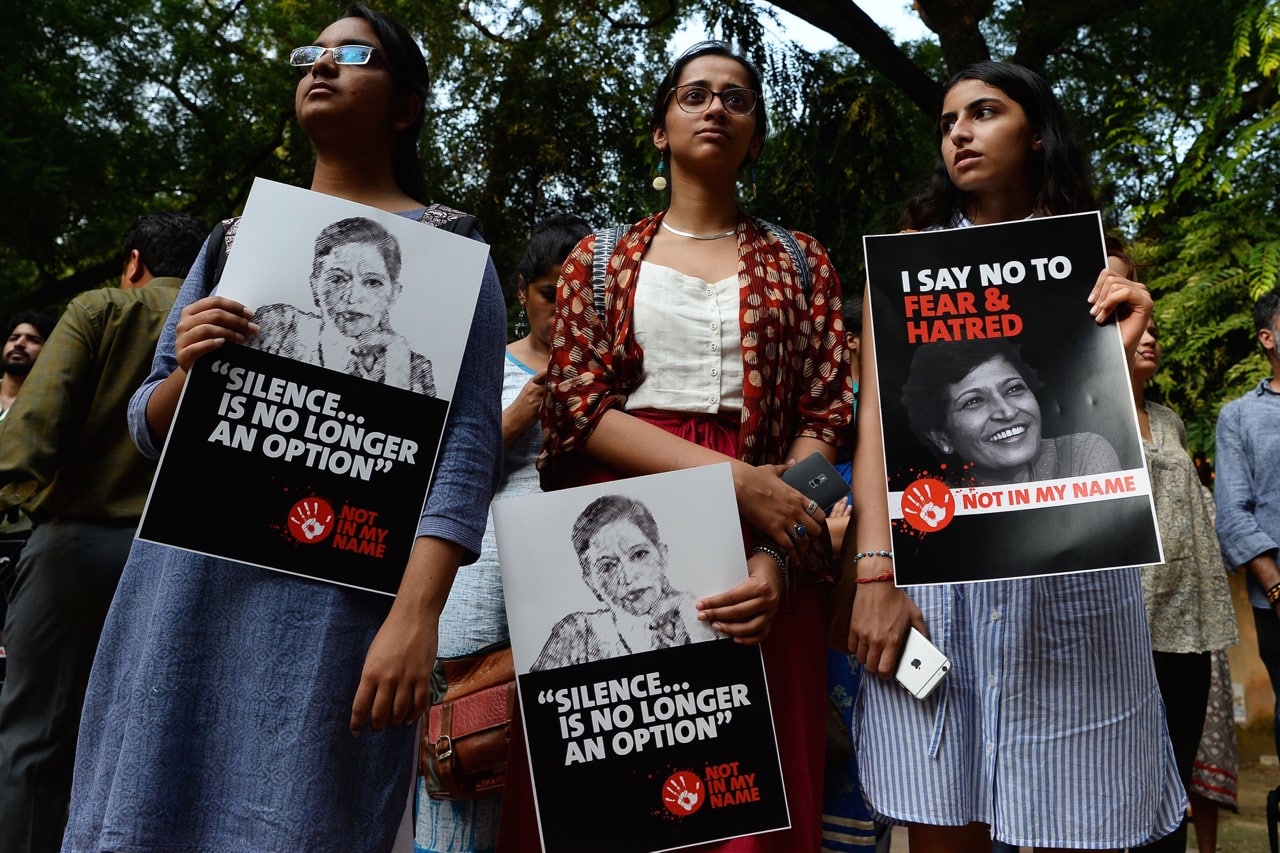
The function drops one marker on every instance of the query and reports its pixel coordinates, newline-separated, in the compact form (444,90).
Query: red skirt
(795,670)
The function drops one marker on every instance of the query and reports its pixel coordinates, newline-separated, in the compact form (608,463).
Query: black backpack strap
(792,245)
(215,259)
(447,219)
(606,241)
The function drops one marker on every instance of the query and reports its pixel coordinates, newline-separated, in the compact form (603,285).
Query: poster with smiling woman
(636,713)
(321,430)
(1010,436)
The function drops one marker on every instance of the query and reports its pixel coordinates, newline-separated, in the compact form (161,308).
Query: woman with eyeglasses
(713,346)
(233,708)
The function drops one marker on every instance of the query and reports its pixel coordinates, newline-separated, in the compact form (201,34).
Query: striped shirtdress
(1049,728)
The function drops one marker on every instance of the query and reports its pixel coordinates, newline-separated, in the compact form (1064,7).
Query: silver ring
(811,507)
(800,531)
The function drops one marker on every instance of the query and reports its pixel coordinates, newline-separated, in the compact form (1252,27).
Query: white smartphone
(922,666)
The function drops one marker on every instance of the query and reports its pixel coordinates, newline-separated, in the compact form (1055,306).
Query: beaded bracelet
(779,558)
(885,576)
(858,556)
(1273,594)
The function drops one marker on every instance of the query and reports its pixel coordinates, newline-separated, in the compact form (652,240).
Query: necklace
(693,236)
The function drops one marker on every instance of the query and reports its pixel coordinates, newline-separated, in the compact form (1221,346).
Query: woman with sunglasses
(233,708)
(712,347)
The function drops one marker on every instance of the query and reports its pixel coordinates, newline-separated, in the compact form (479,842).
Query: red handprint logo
(682,793)
(310,520)
(928,505)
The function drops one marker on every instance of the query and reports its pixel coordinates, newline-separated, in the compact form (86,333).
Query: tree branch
(844,20)
(956,23)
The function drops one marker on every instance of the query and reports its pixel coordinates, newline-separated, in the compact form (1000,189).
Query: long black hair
(1062,178)
(408,69)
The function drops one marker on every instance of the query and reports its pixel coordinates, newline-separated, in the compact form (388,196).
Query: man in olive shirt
(70,464)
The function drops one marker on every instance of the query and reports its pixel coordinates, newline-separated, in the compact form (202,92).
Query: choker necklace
(692,236)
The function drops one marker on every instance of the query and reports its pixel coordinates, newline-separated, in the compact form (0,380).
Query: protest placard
(645,729)
(1011,439)
(310,448)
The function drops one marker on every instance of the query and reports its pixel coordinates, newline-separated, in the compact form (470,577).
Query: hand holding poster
(1010,435)
(636,714)
(323,428)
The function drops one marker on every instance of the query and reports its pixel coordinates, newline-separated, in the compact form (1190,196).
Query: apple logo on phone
(915,663)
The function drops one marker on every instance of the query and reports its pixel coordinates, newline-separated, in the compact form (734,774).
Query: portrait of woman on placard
(974,405)
(624,564)
(355,282)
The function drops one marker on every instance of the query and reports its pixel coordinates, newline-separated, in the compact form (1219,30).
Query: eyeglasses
(694,98)
(346,54)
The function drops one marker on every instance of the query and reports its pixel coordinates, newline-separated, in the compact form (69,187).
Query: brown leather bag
(464,744)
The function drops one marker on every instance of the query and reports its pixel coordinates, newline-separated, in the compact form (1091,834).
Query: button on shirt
(695,365)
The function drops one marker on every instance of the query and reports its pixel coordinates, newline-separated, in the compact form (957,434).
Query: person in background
(1215,773)
(1049,730)
(1247,495)
(1187,598)
(475,615)
(24,337)
(69,463)
(236,708)
(25,334)
(713,346)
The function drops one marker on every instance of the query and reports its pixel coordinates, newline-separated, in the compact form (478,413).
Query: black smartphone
(816,478)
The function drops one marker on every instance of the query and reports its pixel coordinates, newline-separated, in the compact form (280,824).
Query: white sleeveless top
(692,342)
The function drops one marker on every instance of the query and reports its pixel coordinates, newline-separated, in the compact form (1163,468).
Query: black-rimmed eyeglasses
(694,98)
(346,54)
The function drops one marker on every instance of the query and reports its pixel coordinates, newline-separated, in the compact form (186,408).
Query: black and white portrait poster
(316,439)
(1010,436)
(646,730)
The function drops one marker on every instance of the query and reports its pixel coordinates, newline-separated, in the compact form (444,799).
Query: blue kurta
(216,715)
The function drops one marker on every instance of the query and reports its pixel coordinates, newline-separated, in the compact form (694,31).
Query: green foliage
(116,107)
(1209,272)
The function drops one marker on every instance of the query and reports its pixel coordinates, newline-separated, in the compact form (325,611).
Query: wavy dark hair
(550,243)
(1063,179)
(408,69)
(607,509)
(357,229)
(42,322)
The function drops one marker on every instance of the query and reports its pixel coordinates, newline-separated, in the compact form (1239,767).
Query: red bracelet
(886,576)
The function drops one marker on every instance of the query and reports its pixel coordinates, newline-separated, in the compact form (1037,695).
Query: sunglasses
(346,54)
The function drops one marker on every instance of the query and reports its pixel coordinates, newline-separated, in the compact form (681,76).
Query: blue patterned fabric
(847,823)
(216,716)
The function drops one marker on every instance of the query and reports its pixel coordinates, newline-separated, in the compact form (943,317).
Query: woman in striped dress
(1049,732)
